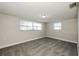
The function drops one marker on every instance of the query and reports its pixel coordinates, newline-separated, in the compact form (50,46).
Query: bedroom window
(37,26)
(57,26)
(28,25)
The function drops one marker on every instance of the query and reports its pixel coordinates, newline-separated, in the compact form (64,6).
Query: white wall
(10,33)
(78,28)
(67,33)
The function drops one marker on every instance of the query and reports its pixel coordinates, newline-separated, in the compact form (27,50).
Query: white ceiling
(33,10)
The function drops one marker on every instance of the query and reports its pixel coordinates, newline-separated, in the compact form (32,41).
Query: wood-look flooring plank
(41,47)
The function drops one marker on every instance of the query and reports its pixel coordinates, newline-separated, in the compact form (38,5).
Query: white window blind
(28,25)
(57,26)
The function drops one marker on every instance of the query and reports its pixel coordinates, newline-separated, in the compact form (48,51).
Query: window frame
(57,26)
(32,29)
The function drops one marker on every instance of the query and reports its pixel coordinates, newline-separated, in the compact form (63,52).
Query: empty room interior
(39,28)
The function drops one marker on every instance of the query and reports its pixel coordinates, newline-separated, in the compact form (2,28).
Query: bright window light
(37,26)
(23,28)
(27,25)
(57,26)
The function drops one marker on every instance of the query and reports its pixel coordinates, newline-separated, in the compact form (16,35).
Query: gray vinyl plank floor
(41,47)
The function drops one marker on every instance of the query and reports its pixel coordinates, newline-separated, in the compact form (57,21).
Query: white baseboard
(4,46)
(63,39)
